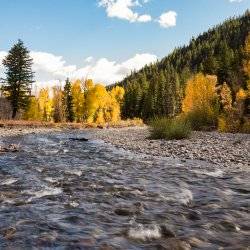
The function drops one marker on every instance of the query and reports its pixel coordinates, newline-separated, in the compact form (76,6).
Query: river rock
(174,244)
(166,232)
(194,215)
(105,246)
(124,211)
(79,139)
(10,148)
(228,226)
(9,233)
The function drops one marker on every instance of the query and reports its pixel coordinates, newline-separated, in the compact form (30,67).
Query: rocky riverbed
(60,191)
(225,150)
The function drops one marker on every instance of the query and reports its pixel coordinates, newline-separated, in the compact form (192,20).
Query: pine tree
(20,76)
(68,102)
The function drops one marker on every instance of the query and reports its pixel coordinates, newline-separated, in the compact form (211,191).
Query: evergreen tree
(216,52)
(68,102)
(19,78)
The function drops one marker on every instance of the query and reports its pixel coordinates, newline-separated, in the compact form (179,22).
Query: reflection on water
(64,194)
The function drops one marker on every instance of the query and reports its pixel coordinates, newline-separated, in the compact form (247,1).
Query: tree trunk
(14,112)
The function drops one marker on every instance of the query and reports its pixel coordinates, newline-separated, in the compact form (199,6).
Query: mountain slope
(157,89)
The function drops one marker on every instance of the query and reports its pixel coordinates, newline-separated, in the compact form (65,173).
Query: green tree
(68,102)
(19,78)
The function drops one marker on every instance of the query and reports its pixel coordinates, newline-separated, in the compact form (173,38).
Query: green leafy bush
(170,129)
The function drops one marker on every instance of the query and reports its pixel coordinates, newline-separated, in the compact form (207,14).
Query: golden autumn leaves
(92,103)
(217,103)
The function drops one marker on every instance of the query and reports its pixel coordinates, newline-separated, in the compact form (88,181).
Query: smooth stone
(166,232)
(105,246)
(194,215)
(174,244)
(123,211)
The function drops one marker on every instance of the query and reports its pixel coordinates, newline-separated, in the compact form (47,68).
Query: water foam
(50,179)
(216,173)
(45,192)
(9,181)
(74,172)
(185,196)
(143,233)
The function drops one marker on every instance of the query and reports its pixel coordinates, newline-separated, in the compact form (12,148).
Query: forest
(206,82)
(158,90)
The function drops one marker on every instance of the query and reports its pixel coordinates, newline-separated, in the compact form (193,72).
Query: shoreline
(224,150)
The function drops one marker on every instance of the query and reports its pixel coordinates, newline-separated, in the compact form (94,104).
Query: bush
(246,126)
(170,129)
(202,119)
(227,124)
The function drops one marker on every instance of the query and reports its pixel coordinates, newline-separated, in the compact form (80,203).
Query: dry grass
(170,129)
(38,124)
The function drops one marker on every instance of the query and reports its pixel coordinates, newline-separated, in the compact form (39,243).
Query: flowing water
(63,194)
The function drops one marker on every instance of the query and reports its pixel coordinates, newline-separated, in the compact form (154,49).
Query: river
(65,194)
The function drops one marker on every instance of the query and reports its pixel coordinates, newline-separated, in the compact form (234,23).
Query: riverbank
(16,131)
(225,150)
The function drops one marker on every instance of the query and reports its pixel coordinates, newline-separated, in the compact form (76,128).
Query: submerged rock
(166,232)
(136,208)
(79,139)
(9,233)
(10,148)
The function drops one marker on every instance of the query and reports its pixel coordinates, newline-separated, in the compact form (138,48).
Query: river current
(65,194)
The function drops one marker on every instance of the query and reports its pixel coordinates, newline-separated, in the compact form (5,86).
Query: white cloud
(123,9)
(89,59)
(144,18)
(50,63)
(168,19)
(238,1)
(2,56)
(107,72)
(51,69)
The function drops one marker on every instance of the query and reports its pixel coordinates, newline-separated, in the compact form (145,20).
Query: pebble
(213,147)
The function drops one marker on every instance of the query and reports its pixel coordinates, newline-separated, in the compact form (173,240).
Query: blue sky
(113,35)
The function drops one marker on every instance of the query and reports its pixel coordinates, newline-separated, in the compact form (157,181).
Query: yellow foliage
(229,124)
(247,53)
(117,93)
(45,104)
(33,112)
(88,84)
(92,103)
(226,97)
(102,106)
(200,93)
(58,109)
(241,95)
(78,100)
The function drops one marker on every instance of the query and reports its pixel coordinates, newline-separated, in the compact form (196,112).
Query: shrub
(226,124)
(246,126)
(170,129)
(202,119)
